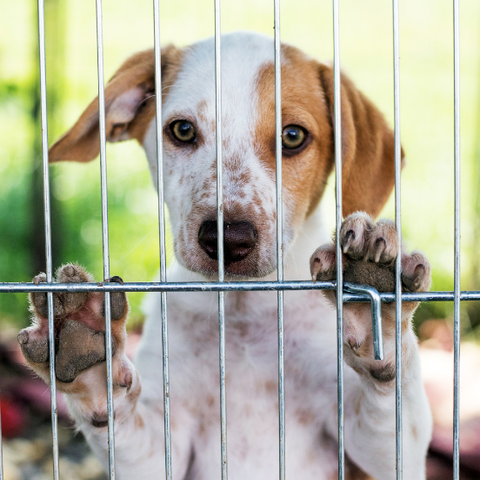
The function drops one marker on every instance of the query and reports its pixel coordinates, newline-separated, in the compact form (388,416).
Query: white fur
(251,324)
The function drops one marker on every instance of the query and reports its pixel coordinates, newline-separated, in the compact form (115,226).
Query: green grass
(366,56)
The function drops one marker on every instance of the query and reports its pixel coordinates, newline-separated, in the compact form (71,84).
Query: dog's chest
(252,383)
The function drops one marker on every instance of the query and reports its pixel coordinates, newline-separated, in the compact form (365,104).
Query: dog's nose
(239,240)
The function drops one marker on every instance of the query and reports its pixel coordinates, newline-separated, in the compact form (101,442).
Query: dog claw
(380,245)
(349,239)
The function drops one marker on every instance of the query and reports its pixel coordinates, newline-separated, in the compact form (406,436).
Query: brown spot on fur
(270,386)
(305,417)
(358,403)
(139,422)
(202,111)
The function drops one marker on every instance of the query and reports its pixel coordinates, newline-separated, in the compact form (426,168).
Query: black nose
(239,240)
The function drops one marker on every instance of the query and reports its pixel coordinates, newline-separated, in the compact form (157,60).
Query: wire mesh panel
(344,293)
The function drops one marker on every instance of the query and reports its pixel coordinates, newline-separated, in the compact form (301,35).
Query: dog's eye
(184,131)
(293,137)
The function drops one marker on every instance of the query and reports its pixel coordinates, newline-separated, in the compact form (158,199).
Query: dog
(369,252)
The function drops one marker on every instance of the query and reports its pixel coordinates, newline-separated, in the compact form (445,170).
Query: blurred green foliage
(366,55)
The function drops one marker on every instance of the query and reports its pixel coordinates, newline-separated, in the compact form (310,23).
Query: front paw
(79,322)
(369,252)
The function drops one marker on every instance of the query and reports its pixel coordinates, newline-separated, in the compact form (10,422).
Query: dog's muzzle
(240,239)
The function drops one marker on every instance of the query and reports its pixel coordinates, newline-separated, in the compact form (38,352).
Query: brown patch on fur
(358,403)
(137,78)
(202,111)
(271,386)
(367,148)
(307,101)
(305,417)
(304,174)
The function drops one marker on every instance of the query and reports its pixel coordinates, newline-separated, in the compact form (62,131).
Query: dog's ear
(368,167)
(129,99)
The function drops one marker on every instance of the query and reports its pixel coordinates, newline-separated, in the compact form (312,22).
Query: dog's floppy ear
(127,94)
(368,171)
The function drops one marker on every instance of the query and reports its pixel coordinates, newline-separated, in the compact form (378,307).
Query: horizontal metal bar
(447,296)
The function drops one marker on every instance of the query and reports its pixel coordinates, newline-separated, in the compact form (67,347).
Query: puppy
(369,252)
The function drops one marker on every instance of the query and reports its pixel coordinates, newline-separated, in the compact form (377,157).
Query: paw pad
(79,326)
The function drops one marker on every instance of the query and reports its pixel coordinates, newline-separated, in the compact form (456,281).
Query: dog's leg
(81,375)
(369,253)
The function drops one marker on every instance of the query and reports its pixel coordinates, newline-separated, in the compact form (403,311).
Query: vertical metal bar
(163,256)
(338,202)
(48,233)
(456,304)
(221,269)
(280,245)
(398,264)
(105,239)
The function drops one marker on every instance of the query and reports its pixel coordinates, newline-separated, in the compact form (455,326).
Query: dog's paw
(369,251)
(79,319)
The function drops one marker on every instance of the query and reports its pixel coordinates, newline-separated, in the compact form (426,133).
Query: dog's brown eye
(293,137)
(184,131)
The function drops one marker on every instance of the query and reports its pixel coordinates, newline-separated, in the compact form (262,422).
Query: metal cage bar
(48,234)
(129,287)
(398,262)
(105,238)
(221,264)
(456,318)
(339,254)
(280,244)
(163,255)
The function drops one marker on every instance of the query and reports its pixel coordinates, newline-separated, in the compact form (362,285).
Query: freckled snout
(240,239)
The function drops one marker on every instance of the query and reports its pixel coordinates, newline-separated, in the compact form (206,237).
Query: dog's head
(248,132)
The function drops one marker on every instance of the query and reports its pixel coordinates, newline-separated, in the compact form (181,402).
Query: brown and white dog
(249,193)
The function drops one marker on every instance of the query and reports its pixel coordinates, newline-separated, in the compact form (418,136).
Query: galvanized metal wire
(162,242)
(280,243)
(48,234)
(398,262)
(457,295)
(338,248)
(105,239)
(221,264)
(130,287)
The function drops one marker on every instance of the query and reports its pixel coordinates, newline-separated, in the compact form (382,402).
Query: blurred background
(426,49)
